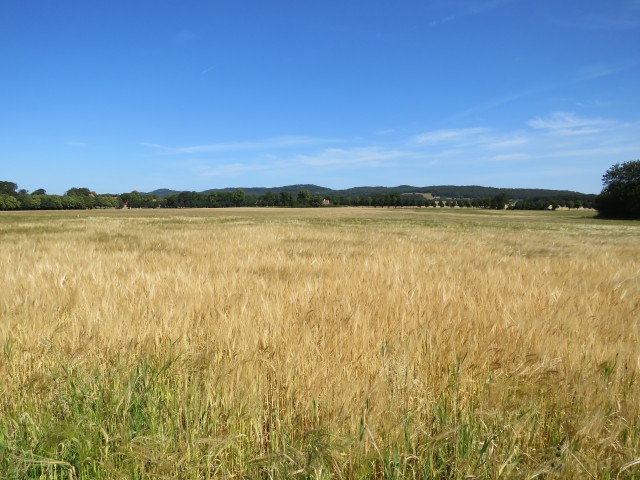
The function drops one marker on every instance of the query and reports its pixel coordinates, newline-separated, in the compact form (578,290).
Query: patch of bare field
(331,342)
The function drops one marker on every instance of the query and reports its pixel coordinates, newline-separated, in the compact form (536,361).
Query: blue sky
(144,94)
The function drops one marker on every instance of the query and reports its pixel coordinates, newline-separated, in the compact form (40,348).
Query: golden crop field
(319,343)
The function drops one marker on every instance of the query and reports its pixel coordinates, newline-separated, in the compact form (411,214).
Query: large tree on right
(620,197)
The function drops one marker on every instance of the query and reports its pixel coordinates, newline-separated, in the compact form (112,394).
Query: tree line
(12,198)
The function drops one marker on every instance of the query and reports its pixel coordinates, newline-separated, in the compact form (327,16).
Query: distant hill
(444,191)
(162,193)
(257,191)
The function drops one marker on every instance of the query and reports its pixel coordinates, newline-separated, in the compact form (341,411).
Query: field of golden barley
(319,343)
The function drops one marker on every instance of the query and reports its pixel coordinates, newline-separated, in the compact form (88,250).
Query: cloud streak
(564,123)
(374,156)
(447,135)
(231,169)
(584,74)
(466,8)
(270,143)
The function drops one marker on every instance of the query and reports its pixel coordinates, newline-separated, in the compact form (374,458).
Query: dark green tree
(8,202)
(132,199)
(8,187)
(267,200)
(378,200)
(81,192)
(285,199)
(237,197)
(620,196)
(212,199)
(315,201)
(51,202)
(304,197)
(30,202)
(74,202)
(499,201)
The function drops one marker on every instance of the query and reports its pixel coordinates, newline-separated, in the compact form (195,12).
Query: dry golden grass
(348,343)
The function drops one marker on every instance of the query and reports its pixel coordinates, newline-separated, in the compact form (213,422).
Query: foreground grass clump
(348,343)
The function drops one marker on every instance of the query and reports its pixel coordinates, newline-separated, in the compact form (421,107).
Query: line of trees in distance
(12,198)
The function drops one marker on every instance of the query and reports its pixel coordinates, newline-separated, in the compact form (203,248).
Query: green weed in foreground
(167,415)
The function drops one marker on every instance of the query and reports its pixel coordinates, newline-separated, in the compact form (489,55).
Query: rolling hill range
(445,191)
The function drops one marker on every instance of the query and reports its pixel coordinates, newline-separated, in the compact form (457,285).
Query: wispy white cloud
(448,135)
(231,169)
(209,69)
(596,152)
(510,157)
(465,8)
(496,102)
(595,71)
(156,146)
(477,137)
(594,103)
(565,123)
(507,141)
(581,75)
(270,143)
(447,19)
(372,156)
